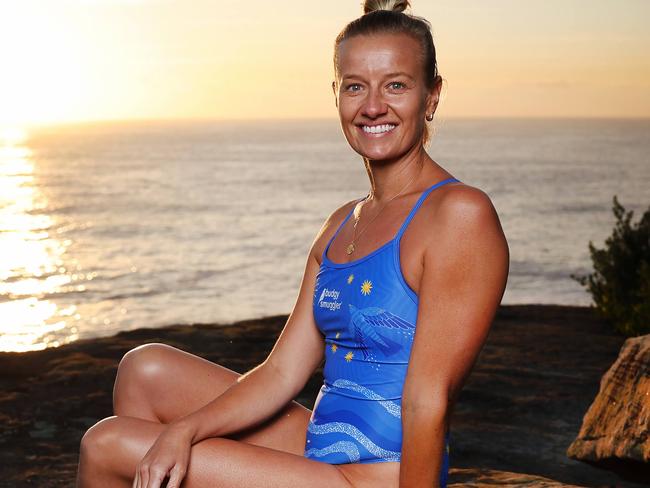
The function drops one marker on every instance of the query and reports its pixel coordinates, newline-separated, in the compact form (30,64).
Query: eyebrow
(389,75)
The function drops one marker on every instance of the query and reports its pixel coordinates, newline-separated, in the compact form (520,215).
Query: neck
(388,177)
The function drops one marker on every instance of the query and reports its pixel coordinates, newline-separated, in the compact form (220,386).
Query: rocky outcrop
(485,478)
(522,405)
(615,431)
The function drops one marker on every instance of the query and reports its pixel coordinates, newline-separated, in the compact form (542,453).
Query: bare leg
(159,383)
(119,443)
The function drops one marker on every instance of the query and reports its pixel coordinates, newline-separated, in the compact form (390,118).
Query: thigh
(161,383)
(121,442)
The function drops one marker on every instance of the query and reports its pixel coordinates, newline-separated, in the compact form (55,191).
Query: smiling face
(381,94)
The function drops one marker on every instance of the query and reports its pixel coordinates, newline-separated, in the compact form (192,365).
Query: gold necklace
(350,249)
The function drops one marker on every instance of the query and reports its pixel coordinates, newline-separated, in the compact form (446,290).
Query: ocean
(113,226)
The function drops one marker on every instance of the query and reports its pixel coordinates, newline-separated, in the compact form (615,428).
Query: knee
(145,361)
(99,441)
(138,368)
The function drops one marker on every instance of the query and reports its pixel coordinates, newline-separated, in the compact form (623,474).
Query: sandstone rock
(615,430)
(484,478)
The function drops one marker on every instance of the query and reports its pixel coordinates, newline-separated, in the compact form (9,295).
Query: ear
(433,97)
(336,98)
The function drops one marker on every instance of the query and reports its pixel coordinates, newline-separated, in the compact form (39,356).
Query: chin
(370,150)
(376,150)
(378,155)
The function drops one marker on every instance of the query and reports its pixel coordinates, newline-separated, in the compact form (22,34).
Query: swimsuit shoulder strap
(417,205)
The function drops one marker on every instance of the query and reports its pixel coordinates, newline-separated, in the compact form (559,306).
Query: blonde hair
(389,17)
(392,5)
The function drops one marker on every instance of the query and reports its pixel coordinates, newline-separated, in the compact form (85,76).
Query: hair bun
(392,5)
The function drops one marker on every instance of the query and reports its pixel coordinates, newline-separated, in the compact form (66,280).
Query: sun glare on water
(31,264)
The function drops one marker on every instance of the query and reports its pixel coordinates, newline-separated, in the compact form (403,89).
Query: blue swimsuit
(367,313)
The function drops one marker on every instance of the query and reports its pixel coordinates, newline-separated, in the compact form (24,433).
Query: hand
(168,456)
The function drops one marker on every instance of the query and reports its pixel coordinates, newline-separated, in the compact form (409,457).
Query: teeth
(378,129)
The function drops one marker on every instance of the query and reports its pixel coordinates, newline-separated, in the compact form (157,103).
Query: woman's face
(381,94)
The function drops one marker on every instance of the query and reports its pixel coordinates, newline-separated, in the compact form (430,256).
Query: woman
(422,247)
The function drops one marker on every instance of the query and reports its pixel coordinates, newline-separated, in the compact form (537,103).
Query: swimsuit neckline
(326,261)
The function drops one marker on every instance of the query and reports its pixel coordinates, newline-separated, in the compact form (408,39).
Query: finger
(177,475)
(156,477)
(144,477)
(136,479)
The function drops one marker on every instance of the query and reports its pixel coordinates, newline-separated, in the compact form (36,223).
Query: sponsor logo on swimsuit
(331,294)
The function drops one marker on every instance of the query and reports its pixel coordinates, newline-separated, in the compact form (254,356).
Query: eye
(352,85)
(397,85)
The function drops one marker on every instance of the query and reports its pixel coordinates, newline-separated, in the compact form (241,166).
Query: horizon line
(135,120)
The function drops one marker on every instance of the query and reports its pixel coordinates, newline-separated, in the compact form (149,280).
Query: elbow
(436,405)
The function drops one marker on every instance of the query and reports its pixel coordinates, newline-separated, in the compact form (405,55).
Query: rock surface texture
(615,431)
(520,409)
(485,478)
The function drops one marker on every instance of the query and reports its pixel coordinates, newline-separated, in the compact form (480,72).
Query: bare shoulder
(467,204)
(462,220)
(459,208)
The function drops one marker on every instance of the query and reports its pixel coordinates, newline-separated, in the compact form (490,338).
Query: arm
(465,269)
(297,352)
(250,400)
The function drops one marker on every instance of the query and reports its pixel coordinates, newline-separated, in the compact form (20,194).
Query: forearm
(253,398)
(423,434)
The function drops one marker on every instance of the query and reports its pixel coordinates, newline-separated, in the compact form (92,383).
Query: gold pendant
(350,248)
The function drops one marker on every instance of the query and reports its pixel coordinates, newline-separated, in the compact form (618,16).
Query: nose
(374,104)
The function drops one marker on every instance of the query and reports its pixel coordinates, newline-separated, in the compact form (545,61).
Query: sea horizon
(178,119)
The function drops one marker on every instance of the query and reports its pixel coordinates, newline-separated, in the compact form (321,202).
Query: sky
(83,60)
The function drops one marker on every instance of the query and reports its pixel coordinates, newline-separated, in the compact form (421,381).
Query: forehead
(377,54)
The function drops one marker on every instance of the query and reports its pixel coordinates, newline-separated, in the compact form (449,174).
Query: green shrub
(620,282)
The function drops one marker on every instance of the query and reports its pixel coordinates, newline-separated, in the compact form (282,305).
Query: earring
(429,117)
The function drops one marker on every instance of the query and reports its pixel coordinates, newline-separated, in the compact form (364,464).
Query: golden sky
(74,60)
